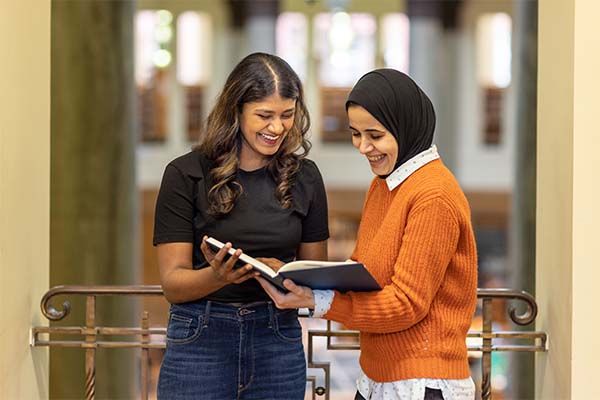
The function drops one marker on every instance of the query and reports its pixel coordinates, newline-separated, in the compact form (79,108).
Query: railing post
(486,359)
(320,390)
(90,351)
(145,354)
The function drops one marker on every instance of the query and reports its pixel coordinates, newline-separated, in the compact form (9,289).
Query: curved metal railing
(56,315)
(90,333)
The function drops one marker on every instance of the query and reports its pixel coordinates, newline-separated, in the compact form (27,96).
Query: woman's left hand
(298,297)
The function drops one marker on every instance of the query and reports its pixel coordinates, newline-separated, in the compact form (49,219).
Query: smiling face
(264,125)
(373,140)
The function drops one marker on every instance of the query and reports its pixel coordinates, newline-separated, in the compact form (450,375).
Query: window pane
(153,34)
(145,45)
(395,41)
(493,50)
(345,47)
(292,41)
(193,48)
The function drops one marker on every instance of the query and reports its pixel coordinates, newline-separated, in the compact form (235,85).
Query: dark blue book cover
(342,276)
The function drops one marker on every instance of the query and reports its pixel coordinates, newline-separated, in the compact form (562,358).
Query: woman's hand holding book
(224,270)
(297,297)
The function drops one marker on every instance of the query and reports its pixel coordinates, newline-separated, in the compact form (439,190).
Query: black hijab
(396,101)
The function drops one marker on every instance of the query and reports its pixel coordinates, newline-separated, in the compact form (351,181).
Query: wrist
(311,306)
(218,279)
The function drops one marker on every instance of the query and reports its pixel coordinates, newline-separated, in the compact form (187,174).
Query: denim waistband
(248,311)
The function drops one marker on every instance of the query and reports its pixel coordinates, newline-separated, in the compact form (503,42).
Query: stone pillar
(24,195)
(260,26)
(435,48)
(568,216)
(522,236)
(93,196)
(254,25)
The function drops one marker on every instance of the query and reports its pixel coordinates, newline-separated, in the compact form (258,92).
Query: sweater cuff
(341,308)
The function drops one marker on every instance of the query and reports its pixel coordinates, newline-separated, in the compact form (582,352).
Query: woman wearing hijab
(416,239)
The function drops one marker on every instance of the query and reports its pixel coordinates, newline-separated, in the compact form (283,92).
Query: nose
(365,146)
(276,126)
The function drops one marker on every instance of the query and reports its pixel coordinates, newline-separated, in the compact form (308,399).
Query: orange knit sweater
(418,243)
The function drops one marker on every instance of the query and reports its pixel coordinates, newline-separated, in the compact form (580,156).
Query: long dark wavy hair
(256,77)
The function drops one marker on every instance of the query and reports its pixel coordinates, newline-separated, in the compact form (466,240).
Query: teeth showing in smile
(375,158)
(269,137)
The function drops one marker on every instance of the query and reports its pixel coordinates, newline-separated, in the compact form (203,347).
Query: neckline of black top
(253,172)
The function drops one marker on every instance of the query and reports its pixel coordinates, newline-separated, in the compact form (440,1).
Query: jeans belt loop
(271,314)
(206,313)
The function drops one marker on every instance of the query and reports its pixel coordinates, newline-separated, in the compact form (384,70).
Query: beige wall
(568,194)
(24,194)
(586,201)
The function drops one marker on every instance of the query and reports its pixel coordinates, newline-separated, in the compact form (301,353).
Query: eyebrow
(268,111)
(366,130)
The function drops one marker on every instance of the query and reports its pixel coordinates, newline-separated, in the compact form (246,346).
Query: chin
(381,171)
(268,151)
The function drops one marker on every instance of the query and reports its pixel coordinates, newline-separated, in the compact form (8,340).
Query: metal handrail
(500,293)
(101,290)
(91,332)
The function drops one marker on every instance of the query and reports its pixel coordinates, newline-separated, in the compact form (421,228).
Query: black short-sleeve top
(258,224)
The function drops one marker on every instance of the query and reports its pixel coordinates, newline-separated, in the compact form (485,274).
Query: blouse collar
(406,169)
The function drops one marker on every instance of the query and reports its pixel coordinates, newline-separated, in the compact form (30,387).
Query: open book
(343,276)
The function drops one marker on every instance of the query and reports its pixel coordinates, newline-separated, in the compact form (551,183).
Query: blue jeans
(223,352)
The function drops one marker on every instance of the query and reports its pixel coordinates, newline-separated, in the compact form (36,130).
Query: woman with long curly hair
(249,184)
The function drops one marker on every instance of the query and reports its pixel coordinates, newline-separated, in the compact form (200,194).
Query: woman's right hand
(297,297)
(272,263)
(223,270)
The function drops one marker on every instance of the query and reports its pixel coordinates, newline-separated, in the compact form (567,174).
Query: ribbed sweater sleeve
(359,239)
(429,241)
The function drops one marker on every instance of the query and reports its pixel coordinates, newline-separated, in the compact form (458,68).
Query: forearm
(428,245)
(385,311)
(184,284)
(375,321)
